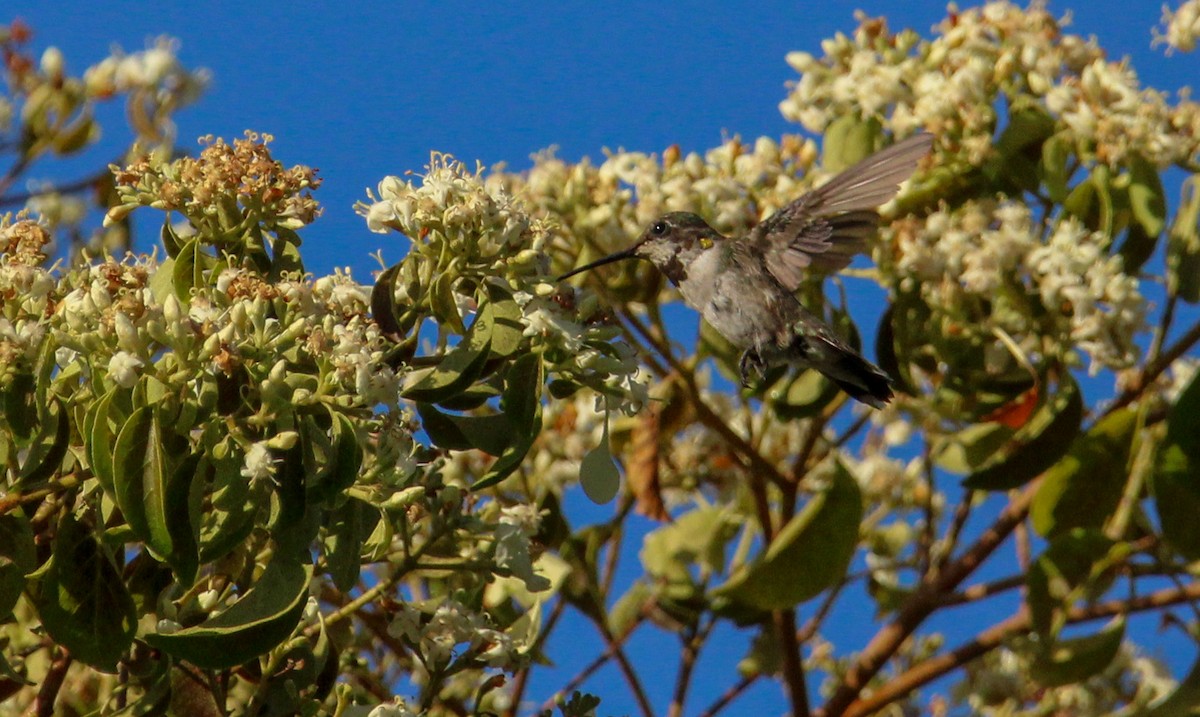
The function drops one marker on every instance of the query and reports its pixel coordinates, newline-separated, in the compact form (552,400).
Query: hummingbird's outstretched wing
(825,228)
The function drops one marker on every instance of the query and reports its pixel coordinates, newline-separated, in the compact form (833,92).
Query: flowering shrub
(231,486)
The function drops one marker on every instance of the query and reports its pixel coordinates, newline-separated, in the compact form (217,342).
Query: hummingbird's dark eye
(658,229)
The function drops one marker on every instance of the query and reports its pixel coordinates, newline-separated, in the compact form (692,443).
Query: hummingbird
(745,287)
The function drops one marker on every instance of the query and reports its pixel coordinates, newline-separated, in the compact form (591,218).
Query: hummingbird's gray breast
(738,297)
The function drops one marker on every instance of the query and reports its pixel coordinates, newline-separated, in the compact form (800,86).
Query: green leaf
(45,455)
(444,305)
(1056,151)
(261,619)
(383,303)
(176,510)
(1055,578)
(17,559)
(491,434)
(522,406)
(140,480)
(103,421)
(1147,199)
(20,405)
(804,396)
(1083,489)
(234,505)
(598,472)
(1037,445)
(171,240)
(82,600)
(810,554)
(1183,244)
(971,447)
(697,537)
(848,140)
(343,543)
(460,367)
(1175,482)
(1065,662)
(191,267)
(509,333)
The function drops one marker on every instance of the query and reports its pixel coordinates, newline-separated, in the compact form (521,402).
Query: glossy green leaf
(1065,662)
(82,600)
(17,559)
(1055,578)
(1037,445)
(261,619)
(1083,489)
(810,553)
(522,406)
(341,460)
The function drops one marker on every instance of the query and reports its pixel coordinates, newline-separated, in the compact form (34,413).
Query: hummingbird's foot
(751,366)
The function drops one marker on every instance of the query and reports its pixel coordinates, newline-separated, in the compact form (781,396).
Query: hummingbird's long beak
(626,254)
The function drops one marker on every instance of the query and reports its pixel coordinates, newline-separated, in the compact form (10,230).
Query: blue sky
(363,90)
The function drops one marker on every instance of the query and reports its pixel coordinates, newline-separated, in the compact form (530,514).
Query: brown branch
(978,592)
(730,694)
(689,652)
(78,185)
(924,600)
(792,661)
(43,704)
(928,670)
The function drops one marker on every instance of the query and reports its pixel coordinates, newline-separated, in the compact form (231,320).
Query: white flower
(396,708)
(123,369)
(258,463)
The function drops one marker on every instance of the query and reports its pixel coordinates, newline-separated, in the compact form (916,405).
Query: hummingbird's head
(672,242)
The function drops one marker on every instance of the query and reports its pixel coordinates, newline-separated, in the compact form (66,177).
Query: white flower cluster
(450,630)
(951,85)
(518,523)
(1180,27)
(481,223)
(995,252)
(155,71)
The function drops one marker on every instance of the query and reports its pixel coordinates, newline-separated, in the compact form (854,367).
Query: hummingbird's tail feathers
(873,181)
(858,377)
